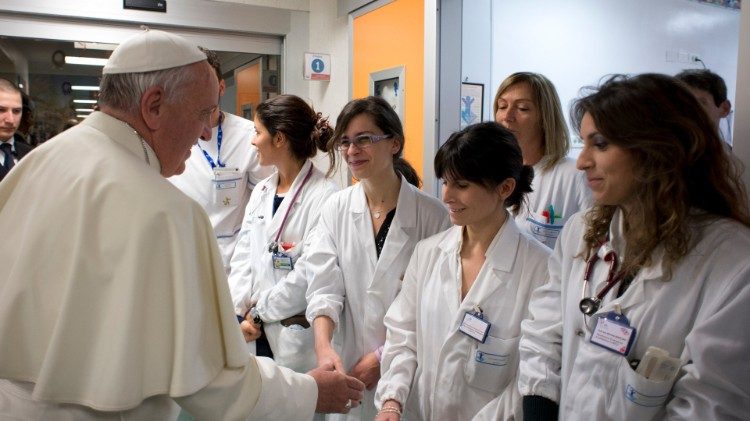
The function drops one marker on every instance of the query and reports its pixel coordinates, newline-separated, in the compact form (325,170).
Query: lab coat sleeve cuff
(317,309)
(278,386)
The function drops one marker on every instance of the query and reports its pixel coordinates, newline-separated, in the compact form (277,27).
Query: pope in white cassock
(113,299)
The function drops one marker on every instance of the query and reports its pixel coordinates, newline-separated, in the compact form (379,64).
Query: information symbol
(318,65)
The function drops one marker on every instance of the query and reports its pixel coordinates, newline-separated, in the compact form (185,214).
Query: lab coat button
(580,333)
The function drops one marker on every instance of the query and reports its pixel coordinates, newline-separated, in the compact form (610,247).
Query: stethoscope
(590,305)
(273,247)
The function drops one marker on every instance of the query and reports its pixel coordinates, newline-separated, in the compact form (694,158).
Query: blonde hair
(556,139)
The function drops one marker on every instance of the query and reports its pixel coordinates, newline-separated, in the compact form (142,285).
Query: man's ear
(152,103)
(222,88)
(725,108)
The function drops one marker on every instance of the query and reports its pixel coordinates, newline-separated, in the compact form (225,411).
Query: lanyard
(275,244)
(219,136)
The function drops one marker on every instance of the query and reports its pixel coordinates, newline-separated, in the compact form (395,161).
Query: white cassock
(347,281)
(563,188)
(224,191)
(113,295)
(279,292)
(699,315)
(446,374)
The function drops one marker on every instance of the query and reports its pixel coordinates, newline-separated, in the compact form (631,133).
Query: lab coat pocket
(296,349)
(545,232)
(228,187)
(637,396)
(493,364)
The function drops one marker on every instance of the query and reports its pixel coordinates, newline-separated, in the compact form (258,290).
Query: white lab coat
(279,293)
(349,284)
(700,315)
(197,181)
(562,186)
(428,359)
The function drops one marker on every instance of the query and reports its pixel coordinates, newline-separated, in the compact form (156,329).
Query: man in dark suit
(11,109)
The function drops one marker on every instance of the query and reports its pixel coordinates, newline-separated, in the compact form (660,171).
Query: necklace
(143,143)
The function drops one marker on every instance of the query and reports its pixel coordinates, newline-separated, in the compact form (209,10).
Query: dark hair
(682,164)
(486,154)
(213,61)
(705,80)
(386,119)
(8,86)
(303,127)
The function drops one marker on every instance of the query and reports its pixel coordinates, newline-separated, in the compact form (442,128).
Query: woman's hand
(391,411)
(250,330)
(328,356)
(367,370)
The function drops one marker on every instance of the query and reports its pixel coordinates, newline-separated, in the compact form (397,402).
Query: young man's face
(10,113)
(716,113)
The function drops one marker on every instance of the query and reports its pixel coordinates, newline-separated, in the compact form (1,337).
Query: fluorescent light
(86,61)
(84,110)
(85,101)
(82,115)
(84,88)
(94,45)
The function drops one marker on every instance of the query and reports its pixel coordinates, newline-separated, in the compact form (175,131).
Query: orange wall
(391,36)
(248,87)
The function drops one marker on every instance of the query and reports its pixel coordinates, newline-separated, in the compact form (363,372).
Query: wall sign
(317,66)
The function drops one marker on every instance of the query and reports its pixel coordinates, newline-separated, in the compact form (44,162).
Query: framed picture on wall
(389,85)
(472,103)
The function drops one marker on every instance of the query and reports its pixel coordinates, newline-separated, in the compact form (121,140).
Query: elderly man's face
(10,113)
(187,120)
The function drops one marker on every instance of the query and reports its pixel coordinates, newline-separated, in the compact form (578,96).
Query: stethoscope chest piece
(589,305)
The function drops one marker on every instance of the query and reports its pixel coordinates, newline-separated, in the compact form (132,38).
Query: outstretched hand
(337,392)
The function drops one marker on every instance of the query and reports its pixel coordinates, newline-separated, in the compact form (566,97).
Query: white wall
(329,34)
(575,43)
(476,42)
(742,103)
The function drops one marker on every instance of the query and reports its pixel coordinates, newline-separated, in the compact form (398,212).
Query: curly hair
(684,173)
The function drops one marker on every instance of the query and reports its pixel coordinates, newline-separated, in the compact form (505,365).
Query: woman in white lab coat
(452,346)
(265,275)
(670,233)
(528,105)
(363,241)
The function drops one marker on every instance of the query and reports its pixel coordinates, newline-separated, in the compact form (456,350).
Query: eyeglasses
(361,141)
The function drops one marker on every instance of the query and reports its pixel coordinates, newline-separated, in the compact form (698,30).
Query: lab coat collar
(500,258)
(401,230)
(634,295)
(122,134)
(270,190)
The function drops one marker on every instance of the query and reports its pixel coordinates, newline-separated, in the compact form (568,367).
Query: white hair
(123,91)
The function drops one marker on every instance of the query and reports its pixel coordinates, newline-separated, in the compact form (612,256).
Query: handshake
(337,392)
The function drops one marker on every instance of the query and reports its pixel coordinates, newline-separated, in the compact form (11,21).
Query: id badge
(614,333)
(475,326)
(282,261)
(227,187)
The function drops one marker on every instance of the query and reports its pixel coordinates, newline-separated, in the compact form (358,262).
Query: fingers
(355,384)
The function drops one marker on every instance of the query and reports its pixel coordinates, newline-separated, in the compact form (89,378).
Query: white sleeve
(287,297)
(540,348)
(240,273)
(259,391)
(399,362)
(716,383)
(325,291)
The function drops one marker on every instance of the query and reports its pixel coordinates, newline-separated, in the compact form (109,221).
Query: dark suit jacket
(21,149)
